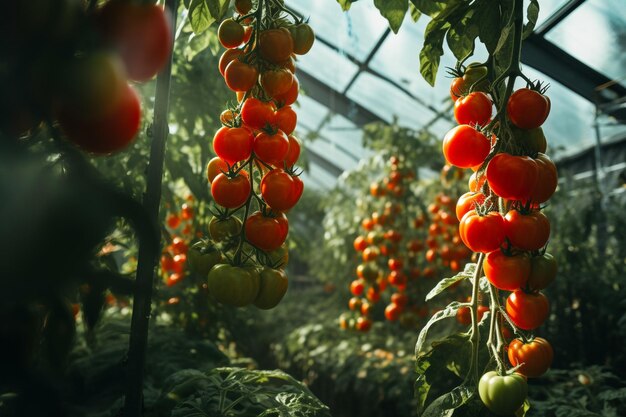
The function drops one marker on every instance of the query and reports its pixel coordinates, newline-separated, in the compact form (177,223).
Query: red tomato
(527,232)
(104,133)
(167,263)
(290,96)
(240,76)
(266,233)
(528,109)
(527,311)
(173,221)
(373,295)
(547,180)
(276,81)
(507,272)
(294,152)
(392,312)
(397,278)
(140,33)
(399,298)
(458,87)
(233,144)
(475,108)
(395,264)
(476,183)
(535,356)
(363,324)
(467,202)
(271,149)
(286,120)
(360,244)
(357,287)
(275,45)
(465,146)
(230,192)
(482,233)
(230,33)
(512,177)
(279,190)
(258,114)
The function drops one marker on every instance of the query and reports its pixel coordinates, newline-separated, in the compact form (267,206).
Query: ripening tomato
(512,177)
(363,324)
(240,76)
(140,33)
(395,264)
(233,285)
(221,229)
(467,202)
(475,183)
(303,38)
(257,114)
(474,108)
(400,299)
(265,232)
(357,287)
(507,272)
(533,140)
(275,45)
(370,253)
(215,166)
(167,262)
(228,56)
(230,33)
(355,304)
(482,233)
(272,289)
(233,144)
(543,270)
(547,179)
(230,192)
(527,232)
(465,146)
(528,109)
(397,278)
(458,87)
(243,7)
(464,314)
(289,97)
(527,310)
(276,81)
(535,356)
(173,221)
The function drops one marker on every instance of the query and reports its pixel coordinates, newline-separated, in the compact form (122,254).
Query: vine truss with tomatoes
(501,220)
(253,178)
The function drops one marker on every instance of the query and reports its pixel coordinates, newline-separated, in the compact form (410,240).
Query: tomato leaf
(506,33)
(447,403)
(468,272)
(345,4)
(461,36)
(217,8)
(429,7)
(487,18)
(449,311)
(414,12)
(200,16)
(394,11)
(532,13)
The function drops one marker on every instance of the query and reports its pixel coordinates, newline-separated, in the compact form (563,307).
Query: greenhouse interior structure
(313,208)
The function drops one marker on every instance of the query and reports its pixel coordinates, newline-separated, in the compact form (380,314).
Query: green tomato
(542,271)
(203,256)
(274,285)
(303,38)
(279,258)
(533,139)
(223,229)
(502,394)
(233,285)
(474,72)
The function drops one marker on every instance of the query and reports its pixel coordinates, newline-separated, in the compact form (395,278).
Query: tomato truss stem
(475,333)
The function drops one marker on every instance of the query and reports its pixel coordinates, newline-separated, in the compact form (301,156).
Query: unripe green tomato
(233,285)
(279,258)
(273,287)
(502,394)
(474,72)
(543,270)
(303,38)
(222,229)
(533,139)
(202,257)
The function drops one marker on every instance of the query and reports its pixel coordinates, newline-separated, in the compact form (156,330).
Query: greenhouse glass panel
(547,9)
(595,33)
(323,63)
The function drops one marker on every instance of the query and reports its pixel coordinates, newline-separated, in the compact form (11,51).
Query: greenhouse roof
(359,71)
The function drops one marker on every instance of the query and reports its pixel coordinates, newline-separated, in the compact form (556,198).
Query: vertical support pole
(149,253)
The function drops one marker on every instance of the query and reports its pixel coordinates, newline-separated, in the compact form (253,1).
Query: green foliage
(442,285)
(237,392)
(202,13)
(394,11)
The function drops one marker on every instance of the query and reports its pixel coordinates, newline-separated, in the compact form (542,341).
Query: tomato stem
(495,331)
(475,334)
(242,233)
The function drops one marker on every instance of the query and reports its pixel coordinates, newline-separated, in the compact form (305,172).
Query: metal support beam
(558,16)
(548,58)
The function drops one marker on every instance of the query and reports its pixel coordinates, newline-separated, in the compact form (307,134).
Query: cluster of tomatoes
(501,215)
(177,255)
(85,87)
(256,153)
(390,258)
